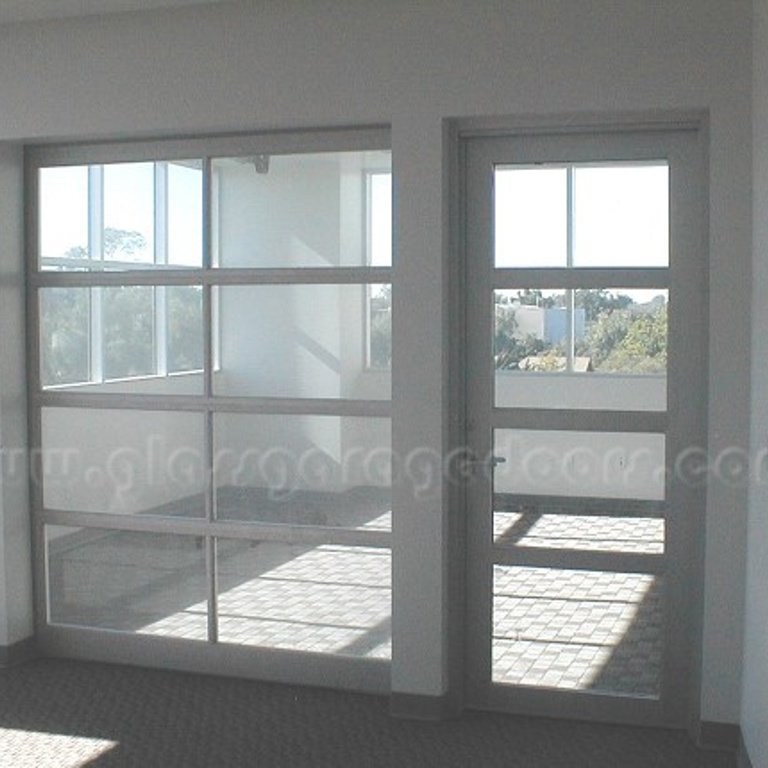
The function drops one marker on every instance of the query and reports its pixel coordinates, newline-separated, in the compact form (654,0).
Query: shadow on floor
(53,712)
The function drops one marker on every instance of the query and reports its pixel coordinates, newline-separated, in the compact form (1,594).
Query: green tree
(597,302)
(509,348)
(127,324)
(64,334)
(116,242)
(628,340)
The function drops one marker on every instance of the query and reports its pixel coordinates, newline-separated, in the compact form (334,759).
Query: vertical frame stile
(208,449)
(32,268)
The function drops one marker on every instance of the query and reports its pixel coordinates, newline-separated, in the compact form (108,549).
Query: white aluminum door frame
(683,424)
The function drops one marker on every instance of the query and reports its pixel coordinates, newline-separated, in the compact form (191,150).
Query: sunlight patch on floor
(32,749)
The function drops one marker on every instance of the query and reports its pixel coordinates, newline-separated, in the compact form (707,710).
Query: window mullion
(96,254)
(161,258)
(570,331)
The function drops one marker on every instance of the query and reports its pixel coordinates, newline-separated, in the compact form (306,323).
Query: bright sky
(128,205)
(621,216)
(621,213)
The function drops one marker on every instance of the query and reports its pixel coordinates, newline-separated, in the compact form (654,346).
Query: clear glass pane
(621,216)
(143,583)
(123,461)
(303,470)
(574,524)
(380,219)
(312,210)
(585,348)
(184,334)
(530,217)
(65,336)
(379,322)
(129,212)
(126,339)
(128,331)
(328,599)
(185,213)
(63,216)
(300,341)
(606,465)
(577,630)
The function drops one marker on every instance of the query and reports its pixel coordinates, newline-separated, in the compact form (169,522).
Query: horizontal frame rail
(580,560)
(147,523)
(546,419)
(337,139)
(214,404)
(581,277)
(214,276)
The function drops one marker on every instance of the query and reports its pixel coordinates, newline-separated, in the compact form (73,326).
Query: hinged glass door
(585,358)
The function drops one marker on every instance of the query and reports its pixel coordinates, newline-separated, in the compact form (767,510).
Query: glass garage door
(211,325)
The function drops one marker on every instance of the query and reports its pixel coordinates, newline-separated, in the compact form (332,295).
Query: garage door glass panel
(304,470)
(328,209)
(125,462)
(308,341)
(325,599)
(140,583)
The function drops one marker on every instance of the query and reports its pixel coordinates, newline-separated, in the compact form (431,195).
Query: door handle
(490,463)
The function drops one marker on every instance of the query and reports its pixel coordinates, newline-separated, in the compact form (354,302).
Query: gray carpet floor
(64,714)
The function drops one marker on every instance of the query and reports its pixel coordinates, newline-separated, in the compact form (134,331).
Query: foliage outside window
(90,335)
(582,330)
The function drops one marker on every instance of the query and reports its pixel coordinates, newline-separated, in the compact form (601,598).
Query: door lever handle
(491,462)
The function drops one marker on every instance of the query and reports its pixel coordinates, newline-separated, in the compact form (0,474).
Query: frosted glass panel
(123,462)
(326,209)
(303,470)
(143,583)
(328,599)
(301,341)
(612,465)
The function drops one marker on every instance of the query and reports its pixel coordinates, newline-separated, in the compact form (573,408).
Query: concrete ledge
(410,706)
(18,653)
(725,736)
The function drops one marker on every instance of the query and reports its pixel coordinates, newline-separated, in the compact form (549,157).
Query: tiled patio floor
(554,628)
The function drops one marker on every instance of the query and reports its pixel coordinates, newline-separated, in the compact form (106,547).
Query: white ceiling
(31,10)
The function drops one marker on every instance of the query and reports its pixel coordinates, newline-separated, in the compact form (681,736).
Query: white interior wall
(15,535)
(754,714)
(259,65)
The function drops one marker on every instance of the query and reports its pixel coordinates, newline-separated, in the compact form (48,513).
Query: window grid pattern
(97,275)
